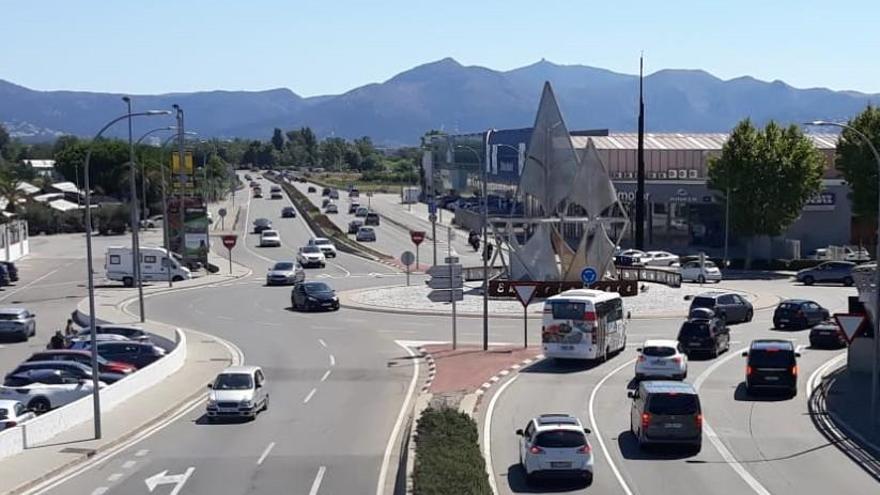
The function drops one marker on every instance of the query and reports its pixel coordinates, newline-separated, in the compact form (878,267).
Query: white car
(43,390)
(856,253)
(270,238)
(692,271)
(659,258)
(13,413)
(324,245)
(661,359)
(555,444)
(366,234)
(284,273)
(311,256)
(331,208)
(238,392)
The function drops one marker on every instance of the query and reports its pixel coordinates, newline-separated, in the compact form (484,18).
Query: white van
(583,324)
(154,265)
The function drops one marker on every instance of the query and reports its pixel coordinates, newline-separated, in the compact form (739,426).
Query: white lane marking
(309,397)
(347,273)
(323,344)
(114,477)
(221,317)
(487,433)
(332,360)
(395,431)
(326,375)
(101,490)
(128,464)
(713,437)
(265,453)
(316,485)
(595,426)
(32,282)
(817,375)
(142,452)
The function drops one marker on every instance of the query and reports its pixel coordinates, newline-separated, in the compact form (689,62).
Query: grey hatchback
(729,306)
(666,412)
(17,322)
(839,272)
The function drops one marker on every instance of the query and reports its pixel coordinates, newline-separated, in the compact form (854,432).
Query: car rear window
(658,351)
(559,439)
(17,381)
(8,316)
(568,310)
(703,302)
(790,306)
(693,330)
(673,403)
(767,358)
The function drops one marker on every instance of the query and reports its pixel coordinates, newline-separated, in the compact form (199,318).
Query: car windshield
(771,358)
(673,403)
(703,302)
(8,316)
(283,266)
(262,221)
(270,233)
(658,351)
(317,287)
(234,381)
(692,329)
(709,264)
(366,230)
(560,439)
(321,242)
(564,310)
(311,249)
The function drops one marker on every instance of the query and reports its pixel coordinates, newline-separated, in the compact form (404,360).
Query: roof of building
(46,164)
(66,187)
(44,198)
(679,141)
(27,188)
(63,205)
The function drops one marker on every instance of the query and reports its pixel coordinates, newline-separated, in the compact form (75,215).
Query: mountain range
(448,96)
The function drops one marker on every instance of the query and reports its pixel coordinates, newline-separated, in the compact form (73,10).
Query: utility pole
(640,177)
(181,153)
(135,242)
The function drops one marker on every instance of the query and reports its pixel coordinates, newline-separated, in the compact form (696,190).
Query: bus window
(568,310)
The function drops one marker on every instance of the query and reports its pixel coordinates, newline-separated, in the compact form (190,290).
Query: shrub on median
(448,458)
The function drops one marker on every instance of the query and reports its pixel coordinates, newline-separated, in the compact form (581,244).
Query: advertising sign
(194,245)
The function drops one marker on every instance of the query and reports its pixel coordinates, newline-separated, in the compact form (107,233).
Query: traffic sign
(432,217)
(222,212)
(446,295)
(229,240)
(445,283)
(407,258)
(432,207)
(525,293)
(589,275)
(417,236)
(451,260)
(850,325)
(445,271)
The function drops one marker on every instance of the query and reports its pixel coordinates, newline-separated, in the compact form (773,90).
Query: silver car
(13,413)
(285,273)
(17,322)
(366,234)
(238,392)
(830,271)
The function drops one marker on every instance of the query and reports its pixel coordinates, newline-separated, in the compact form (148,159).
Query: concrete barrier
(43,428)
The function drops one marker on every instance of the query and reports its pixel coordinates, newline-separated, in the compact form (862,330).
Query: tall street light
(875,373)
(182,178)
(96,398)
(133,204)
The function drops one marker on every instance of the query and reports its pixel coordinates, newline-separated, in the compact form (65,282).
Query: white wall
(14,243)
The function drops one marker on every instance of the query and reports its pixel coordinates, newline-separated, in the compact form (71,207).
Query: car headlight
(246,403)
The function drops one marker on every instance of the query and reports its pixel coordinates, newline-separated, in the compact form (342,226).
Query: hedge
(448,459)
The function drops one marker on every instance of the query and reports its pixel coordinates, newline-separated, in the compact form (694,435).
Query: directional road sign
(525,293)
(451,260)
(407,258)
(589,275)
(444,271)
(850,325)
(445,283)
(446,295)
(222,212)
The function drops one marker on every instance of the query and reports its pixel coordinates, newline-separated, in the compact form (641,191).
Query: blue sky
(327,47)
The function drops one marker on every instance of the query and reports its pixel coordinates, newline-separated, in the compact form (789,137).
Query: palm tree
(10,192)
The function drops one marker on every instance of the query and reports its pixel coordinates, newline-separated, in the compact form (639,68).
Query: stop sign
(417,236)
(229,240)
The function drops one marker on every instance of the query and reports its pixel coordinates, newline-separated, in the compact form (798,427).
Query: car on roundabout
(661,359)
(285,273)
(237,392)
(729,306)
(666,412)
(827,335)
(311,256)
(366,234)
(704,332)
(799,314)
(693,271)
(311,189)
(555,445)
(312,296)
(42,390)
(839,272)
(771,366)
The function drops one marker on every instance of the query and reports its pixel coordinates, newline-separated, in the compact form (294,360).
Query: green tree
(278,139)
(332,153)
(770,174)
(5,139)
(856,162)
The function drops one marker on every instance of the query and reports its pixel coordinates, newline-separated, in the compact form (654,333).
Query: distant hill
(447,95)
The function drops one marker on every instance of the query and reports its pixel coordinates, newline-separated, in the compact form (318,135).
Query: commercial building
(683,213)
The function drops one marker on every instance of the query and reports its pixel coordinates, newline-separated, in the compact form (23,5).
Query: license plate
(694,344)
(783,320)
(771,378)
(560,464)
(672,425)
(567,347)
(659,362)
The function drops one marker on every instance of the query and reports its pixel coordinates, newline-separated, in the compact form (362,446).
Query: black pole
(640,178)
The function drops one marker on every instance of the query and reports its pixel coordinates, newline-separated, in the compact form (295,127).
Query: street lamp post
(90,276)
(167,235)
(875,372)
(135,241)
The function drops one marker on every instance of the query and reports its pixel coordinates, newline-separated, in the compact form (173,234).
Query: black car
(262,224)
(827,335)
(704,334)
(772,365)
(352,208)
(79,370)
(4,276)
(371,219)
(11,270)
(312,189)
(137,354)
(729,306)
(288,212)
(798,313)
(312,296)
(325,191)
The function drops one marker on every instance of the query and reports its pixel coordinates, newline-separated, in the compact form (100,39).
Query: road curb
(844,428)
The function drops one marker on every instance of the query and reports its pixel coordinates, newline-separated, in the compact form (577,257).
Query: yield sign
(851,325)
(525,293)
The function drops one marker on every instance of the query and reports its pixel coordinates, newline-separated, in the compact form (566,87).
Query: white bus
(583,324)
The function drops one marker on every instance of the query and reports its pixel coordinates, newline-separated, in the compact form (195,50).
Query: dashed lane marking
(332,360)
(265,453)
(323,344)
(316,485)
(113,478)
(326,374)
(309,397)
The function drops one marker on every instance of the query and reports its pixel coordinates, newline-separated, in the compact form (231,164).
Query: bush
(112,219)
(448,458)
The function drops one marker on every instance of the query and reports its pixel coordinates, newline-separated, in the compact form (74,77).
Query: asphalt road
(760,445)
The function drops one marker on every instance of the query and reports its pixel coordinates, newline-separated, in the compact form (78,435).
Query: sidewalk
(847,402)
(153,408)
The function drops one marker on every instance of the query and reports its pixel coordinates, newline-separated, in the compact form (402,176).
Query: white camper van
(118,265)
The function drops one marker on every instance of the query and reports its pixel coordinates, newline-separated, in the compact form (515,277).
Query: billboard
(191,241)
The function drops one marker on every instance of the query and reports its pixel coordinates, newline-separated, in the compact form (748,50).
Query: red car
(83,357)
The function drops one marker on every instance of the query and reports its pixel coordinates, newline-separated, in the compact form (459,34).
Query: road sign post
(222,213)
(417,237)
(525,291)
(449,237)
(447,282)
(407,259)
(229,242)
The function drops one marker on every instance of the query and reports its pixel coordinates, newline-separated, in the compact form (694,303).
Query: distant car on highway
(285,273)
(311,189)
(270,238)
(288,212)
(44,390)
(310,296)
(798,313)
(258,193)
(325,191)
(666,412)
(262,224)
(372,218)
(361,212)
(17,322)
(353,207)
(13,413)
(309,256)
(82,357)
(827,335)
(354,226)
(353,192)
(659,258)
(334,194)
(661,359)
(325,245)
(331,209)
(555,445)
(137,354)
(771,365)
(729,306)
(366,234)
(325,202)
(238,392)
(704,332)
(839,272)
(692,271)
